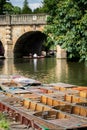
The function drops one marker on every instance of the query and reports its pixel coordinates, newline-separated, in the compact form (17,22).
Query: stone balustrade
(25,19)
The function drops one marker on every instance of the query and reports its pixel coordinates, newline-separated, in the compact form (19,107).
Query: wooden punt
(48,118)
(17,81)
(61,119)
(53,106)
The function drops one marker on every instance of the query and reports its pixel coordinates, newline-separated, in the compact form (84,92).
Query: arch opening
(1,50)
(29,43)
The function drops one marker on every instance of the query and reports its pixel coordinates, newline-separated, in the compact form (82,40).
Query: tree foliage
(67,26)
(26,9)
(2,6)
(50,6)
(17,10)
(8,8)
(38,10)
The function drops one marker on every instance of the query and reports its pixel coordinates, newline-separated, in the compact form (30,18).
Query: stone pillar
(61,53)
(8,44)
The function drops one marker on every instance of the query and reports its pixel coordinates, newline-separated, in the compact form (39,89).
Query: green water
(47,70)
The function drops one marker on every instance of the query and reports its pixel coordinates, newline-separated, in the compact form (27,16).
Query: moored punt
(62,119)
(2,57)
(16,82)
(32,57)
(19,113)
(62,86)
(54,106)
(49,118)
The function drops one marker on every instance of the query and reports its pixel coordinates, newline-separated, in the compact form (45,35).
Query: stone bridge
(21,34)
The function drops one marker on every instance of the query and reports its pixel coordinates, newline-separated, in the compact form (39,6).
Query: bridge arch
(13,28)
(1,49)
(30,42)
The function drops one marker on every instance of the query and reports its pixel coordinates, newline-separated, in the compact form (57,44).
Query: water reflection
(61,70)
(47,70)
(8,67)
(1,66)
(35,64)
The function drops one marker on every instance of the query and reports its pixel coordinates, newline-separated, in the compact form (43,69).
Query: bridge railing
(23,19)
(4,20)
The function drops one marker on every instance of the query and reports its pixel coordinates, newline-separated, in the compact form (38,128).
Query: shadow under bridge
(30,42)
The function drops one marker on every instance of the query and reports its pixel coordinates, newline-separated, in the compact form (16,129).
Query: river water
(47,70)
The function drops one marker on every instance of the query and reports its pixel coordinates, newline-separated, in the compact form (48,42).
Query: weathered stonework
(12,27)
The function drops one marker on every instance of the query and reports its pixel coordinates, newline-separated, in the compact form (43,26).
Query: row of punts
(55,106)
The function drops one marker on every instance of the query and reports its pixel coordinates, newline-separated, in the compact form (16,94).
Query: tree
(50,6)
(8,8)
(26,9)
(39,10)
(16,10)
(67,23)
(2,6)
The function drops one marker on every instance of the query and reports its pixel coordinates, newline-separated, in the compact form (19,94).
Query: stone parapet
(23,19)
